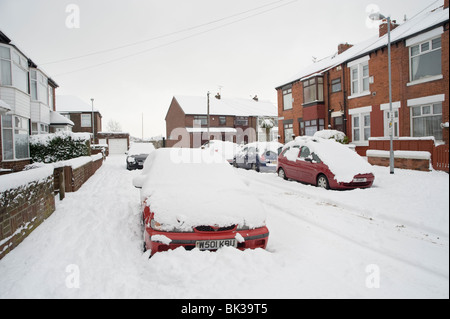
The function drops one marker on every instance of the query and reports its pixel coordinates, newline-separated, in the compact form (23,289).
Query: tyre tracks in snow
(336,211)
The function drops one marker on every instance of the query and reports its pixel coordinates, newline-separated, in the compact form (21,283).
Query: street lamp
(378,16)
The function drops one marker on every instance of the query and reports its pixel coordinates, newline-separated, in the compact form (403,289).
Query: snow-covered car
(193,198)
(226,148)
(324,163)
(259,156)
(137,154)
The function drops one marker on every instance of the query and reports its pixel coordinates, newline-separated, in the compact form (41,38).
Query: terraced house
(27,100)
(349,91)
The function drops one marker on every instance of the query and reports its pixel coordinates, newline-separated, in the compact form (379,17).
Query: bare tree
(113,126)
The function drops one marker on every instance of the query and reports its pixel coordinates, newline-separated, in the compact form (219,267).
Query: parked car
(259,156)
(193,198)
(324,163)
(137,154)
(226,148)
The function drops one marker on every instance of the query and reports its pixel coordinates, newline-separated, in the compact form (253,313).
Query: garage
(117,145)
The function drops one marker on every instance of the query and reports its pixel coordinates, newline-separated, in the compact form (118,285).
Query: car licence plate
(215,244)
(360,180)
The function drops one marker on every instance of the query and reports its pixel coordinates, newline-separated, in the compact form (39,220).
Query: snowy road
(390,241)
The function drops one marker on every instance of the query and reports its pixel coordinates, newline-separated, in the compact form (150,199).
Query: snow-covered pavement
(390,241)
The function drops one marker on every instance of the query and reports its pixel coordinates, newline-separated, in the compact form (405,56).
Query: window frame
(314,85)
(421,53)
(336,81)
(360,79)
(432,114)
(286,92)
(18,125)
(84,121)
(362,141)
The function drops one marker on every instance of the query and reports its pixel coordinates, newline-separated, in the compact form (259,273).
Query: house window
(312,126)
(222,120)
(241,121)
(20,72)
(426,120)
(34,128)
(5,66)
(359,77)
(33,85)
(313,90)
(14,137)
(86,120)
(361,127)
(425,59)
(287,99)
(336,85)
(288,132)
(200,120)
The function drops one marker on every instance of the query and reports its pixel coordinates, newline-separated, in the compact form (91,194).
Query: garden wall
(26,200)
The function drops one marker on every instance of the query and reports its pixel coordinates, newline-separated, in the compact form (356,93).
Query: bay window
(313,90)
(312,126)
(15,136)
(13,69)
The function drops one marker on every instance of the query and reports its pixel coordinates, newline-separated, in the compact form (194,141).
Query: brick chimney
(446,4)
(384,27)
(255,98)
(218,96)
(344,47)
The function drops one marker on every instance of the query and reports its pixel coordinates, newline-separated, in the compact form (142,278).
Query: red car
(196,200)
(324,163)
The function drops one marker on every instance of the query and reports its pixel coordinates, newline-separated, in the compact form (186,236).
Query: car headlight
(131,159)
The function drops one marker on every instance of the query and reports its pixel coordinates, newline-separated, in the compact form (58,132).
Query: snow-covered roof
(58,119)
(70,103)
(226,106)
(420,23)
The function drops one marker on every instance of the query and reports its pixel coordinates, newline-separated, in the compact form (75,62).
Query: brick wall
(75,178)
(22,209)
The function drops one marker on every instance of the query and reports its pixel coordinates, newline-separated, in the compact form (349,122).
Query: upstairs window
(425,59)
(5,66)
(359,76)
(86,120)
(200,120)
(241,121)
(287,99)
(336,85)
(313,90)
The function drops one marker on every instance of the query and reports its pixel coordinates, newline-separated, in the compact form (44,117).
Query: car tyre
(322,182)
(282,174)
(235,163)
(255,167)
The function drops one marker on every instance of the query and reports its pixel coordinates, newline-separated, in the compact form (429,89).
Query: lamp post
(378,16)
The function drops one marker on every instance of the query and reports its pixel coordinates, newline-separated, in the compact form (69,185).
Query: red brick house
(81,114)
(231,119)
(349,91)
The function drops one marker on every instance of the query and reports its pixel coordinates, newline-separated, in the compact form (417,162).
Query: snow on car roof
(343,162)
(220,197)
(141,148)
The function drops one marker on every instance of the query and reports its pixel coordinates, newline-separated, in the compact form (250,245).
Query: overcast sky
(153,50)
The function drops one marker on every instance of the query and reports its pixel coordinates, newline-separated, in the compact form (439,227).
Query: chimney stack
(255,98)
(218,96)
(446,4)
(384,27)
(344,47)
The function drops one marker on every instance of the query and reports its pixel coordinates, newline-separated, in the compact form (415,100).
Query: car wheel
(234,163)
(322,182)
(282,174)
(255,167)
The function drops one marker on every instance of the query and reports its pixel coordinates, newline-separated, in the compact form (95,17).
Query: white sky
(244,58)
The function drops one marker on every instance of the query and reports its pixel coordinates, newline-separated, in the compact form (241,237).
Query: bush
(60,146)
